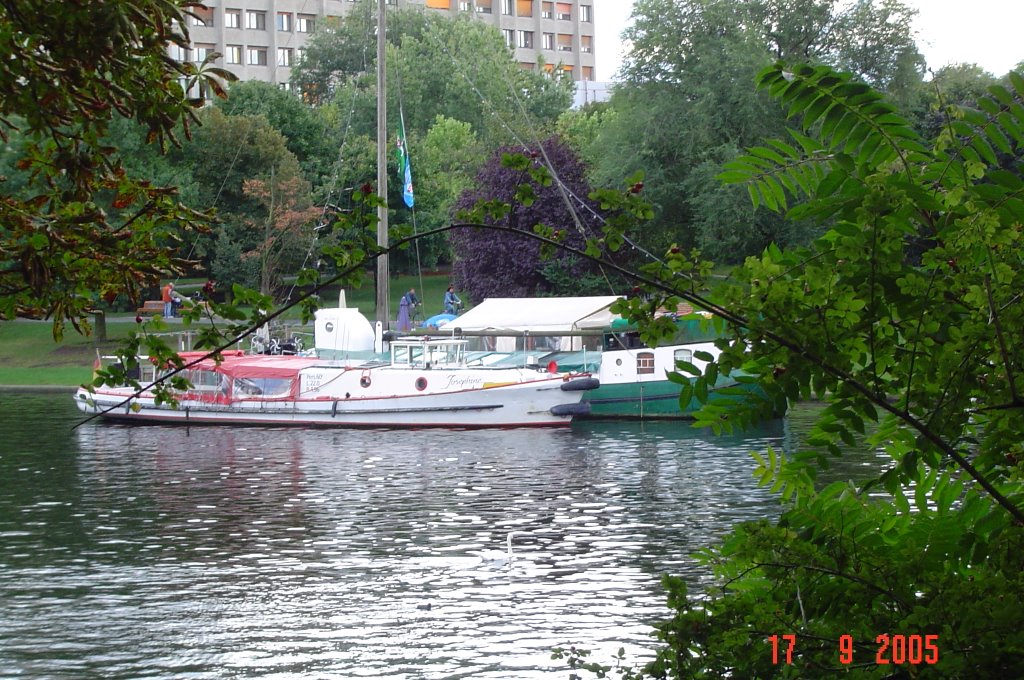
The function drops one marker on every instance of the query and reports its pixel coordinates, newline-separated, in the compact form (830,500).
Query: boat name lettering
(463,381)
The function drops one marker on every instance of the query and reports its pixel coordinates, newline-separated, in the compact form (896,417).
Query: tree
(456,68)
(504,265)
(953,85)
(903,319)
(685,106)
(81,226)
(225,154)
(306,132)
(287,230)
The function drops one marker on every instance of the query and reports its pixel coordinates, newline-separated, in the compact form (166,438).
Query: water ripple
(133,552)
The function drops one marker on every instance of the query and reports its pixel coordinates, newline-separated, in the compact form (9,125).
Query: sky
(985,32)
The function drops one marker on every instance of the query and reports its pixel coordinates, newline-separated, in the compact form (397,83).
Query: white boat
(426,382)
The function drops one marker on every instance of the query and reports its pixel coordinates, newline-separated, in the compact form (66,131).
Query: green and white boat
(633,375)
(581,334)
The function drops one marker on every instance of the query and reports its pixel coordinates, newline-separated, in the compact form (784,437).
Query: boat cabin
(426,353)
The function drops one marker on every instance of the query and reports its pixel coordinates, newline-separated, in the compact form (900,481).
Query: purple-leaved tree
(489,263)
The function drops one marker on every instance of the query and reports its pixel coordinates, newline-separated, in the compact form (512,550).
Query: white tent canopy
(556,316)
(553,316)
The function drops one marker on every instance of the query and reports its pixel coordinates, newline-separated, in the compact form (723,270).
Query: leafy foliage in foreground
(79,224)
(905,318)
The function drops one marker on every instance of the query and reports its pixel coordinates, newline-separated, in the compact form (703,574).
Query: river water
(134,552)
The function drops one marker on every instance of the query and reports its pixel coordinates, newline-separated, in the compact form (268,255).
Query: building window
(507,7)
(509,35)
(256,56)
(178,53)
(201,52)
(548,41)
(439,4)
(233,54)
(524,8)
(287,87)
(299,54)
(483,6)
(256,20)
(200,17)
(588,72)
(305,23)
(465,5)
(564,42)
(547,10)
(198,91)
(526,39)
(528,66)
(284,21)
(586,13)
(586,44)
(563,11)
(233,18)
(285,56)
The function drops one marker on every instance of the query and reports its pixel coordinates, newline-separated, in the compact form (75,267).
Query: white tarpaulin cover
(553,315)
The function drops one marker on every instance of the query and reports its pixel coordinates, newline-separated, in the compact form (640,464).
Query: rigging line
(335,174)
(408,159)
(224,181)
(564,190)
(519,140)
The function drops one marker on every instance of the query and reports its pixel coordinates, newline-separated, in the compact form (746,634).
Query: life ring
(421,383)
(364,381)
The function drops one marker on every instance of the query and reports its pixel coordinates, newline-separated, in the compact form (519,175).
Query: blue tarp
(436,320)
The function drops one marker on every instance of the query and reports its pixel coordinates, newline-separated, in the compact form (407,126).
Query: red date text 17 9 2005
(888,649)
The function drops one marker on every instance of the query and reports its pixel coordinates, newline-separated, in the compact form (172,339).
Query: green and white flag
(404,167)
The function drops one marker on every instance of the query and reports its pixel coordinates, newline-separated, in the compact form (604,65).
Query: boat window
(263,387)
(399,354)
(450,355)
(204,381)
(612,343)
(406,355)
(633,341)
(645,363)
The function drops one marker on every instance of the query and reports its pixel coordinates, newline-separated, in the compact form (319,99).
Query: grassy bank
(29,355)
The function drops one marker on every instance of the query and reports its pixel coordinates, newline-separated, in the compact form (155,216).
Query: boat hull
(655,399)
(539,404)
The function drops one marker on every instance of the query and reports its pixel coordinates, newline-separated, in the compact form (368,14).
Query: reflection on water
(257,552)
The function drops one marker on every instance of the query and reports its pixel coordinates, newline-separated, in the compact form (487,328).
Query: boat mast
(383,311)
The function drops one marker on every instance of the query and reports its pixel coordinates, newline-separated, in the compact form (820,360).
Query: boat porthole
(364,381)
(618,362)
(421,383)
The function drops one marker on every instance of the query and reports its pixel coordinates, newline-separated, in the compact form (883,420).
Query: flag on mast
(404,166)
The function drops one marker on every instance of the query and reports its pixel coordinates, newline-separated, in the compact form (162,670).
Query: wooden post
(99,325)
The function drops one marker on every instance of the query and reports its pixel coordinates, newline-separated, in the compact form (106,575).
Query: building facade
(264,39)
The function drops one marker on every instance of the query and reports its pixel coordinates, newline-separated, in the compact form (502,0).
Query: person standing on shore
(406,306)
(167,297)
